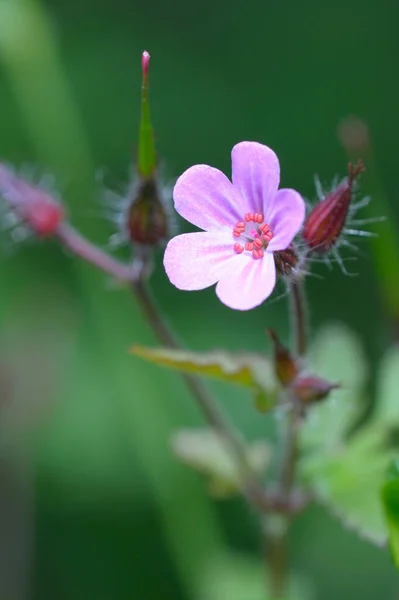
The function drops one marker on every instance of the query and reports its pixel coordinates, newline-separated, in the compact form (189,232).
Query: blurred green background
(94,506)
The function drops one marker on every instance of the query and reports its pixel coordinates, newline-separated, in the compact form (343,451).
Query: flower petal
(256,175)
(248,282)
(194,261)
(286,218)
(206,197)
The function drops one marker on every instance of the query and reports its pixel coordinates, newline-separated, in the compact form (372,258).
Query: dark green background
(114,516)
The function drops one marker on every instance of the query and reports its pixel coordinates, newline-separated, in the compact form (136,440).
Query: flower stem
(278,536)
(252,489)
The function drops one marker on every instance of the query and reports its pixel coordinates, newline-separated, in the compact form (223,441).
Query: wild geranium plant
(253,234)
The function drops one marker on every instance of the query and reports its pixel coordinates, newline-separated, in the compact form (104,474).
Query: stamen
(255,239)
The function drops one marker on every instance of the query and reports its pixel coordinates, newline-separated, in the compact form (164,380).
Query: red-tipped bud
(325,223)
(145,63)
(147,219)
(310,389)
(285,366)
(44,216)
(42,213)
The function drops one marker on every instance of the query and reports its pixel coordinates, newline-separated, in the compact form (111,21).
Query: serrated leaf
(247,369)
(241,577)
(390,502)
(387,405)
(348,481)
(337,356)
(205,451)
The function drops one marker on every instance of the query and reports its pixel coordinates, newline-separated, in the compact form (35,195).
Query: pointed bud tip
(285,366)
(145,63)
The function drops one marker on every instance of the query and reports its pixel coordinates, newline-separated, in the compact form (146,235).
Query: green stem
(252,488)
(278,536)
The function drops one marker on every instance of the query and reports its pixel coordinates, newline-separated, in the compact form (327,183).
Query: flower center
(254,233)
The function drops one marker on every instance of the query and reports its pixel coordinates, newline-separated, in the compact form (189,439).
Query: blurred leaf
(345,474)
(337,356)
(387,404)
(348,480)
(390,501)
(247,369)
(240,577)
(205,451)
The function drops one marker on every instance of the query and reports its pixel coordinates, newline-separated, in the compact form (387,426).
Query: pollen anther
(238,248)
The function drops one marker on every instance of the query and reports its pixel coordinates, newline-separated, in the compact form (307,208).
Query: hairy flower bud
(311,388)
(34,206)
(285,366)
(326,221)
(286,261)
(147,220)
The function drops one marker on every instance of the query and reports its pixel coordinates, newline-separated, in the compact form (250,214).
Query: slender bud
(325,223)
(147,221)
(285,366)
(147,155)
(309,389)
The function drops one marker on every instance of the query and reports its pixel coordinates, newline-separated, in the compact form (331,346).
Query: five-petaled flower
(244,221)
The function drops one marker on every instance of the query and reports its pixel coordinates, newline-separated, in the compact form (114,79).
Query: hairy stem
(252,488)
(278,537)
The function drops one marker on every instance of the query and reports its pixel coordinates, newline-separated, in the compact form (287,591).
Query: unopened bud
(325,223)
(286,260)
(310,389)
(285,366)
(42,213)
(147,155)
(147,219)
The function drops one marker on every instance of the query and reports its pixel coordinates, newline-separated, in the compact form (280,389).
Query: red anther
(236,233)
(240,225)
(259,217)
(257,253)
(265,227)
(249,246)
(258,243)
(248,217)
(267,236)
(260,253)
(238,248)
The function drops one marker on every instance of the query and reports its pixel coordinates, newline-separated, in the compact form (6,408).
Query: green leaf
(337,356)
(390,501)
(205,451)
(387,405)
(247,369)
(344,474)
(241,577)
(348,480)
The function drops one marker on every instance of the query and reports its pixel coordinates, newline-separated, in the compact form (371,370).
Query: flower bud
(285,366)
(309,389)
(147,220)
(40,211)
(286,260)
(326,221)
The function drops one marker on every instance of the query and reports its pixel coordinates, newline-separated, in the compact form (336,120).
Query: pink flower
(244,221)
